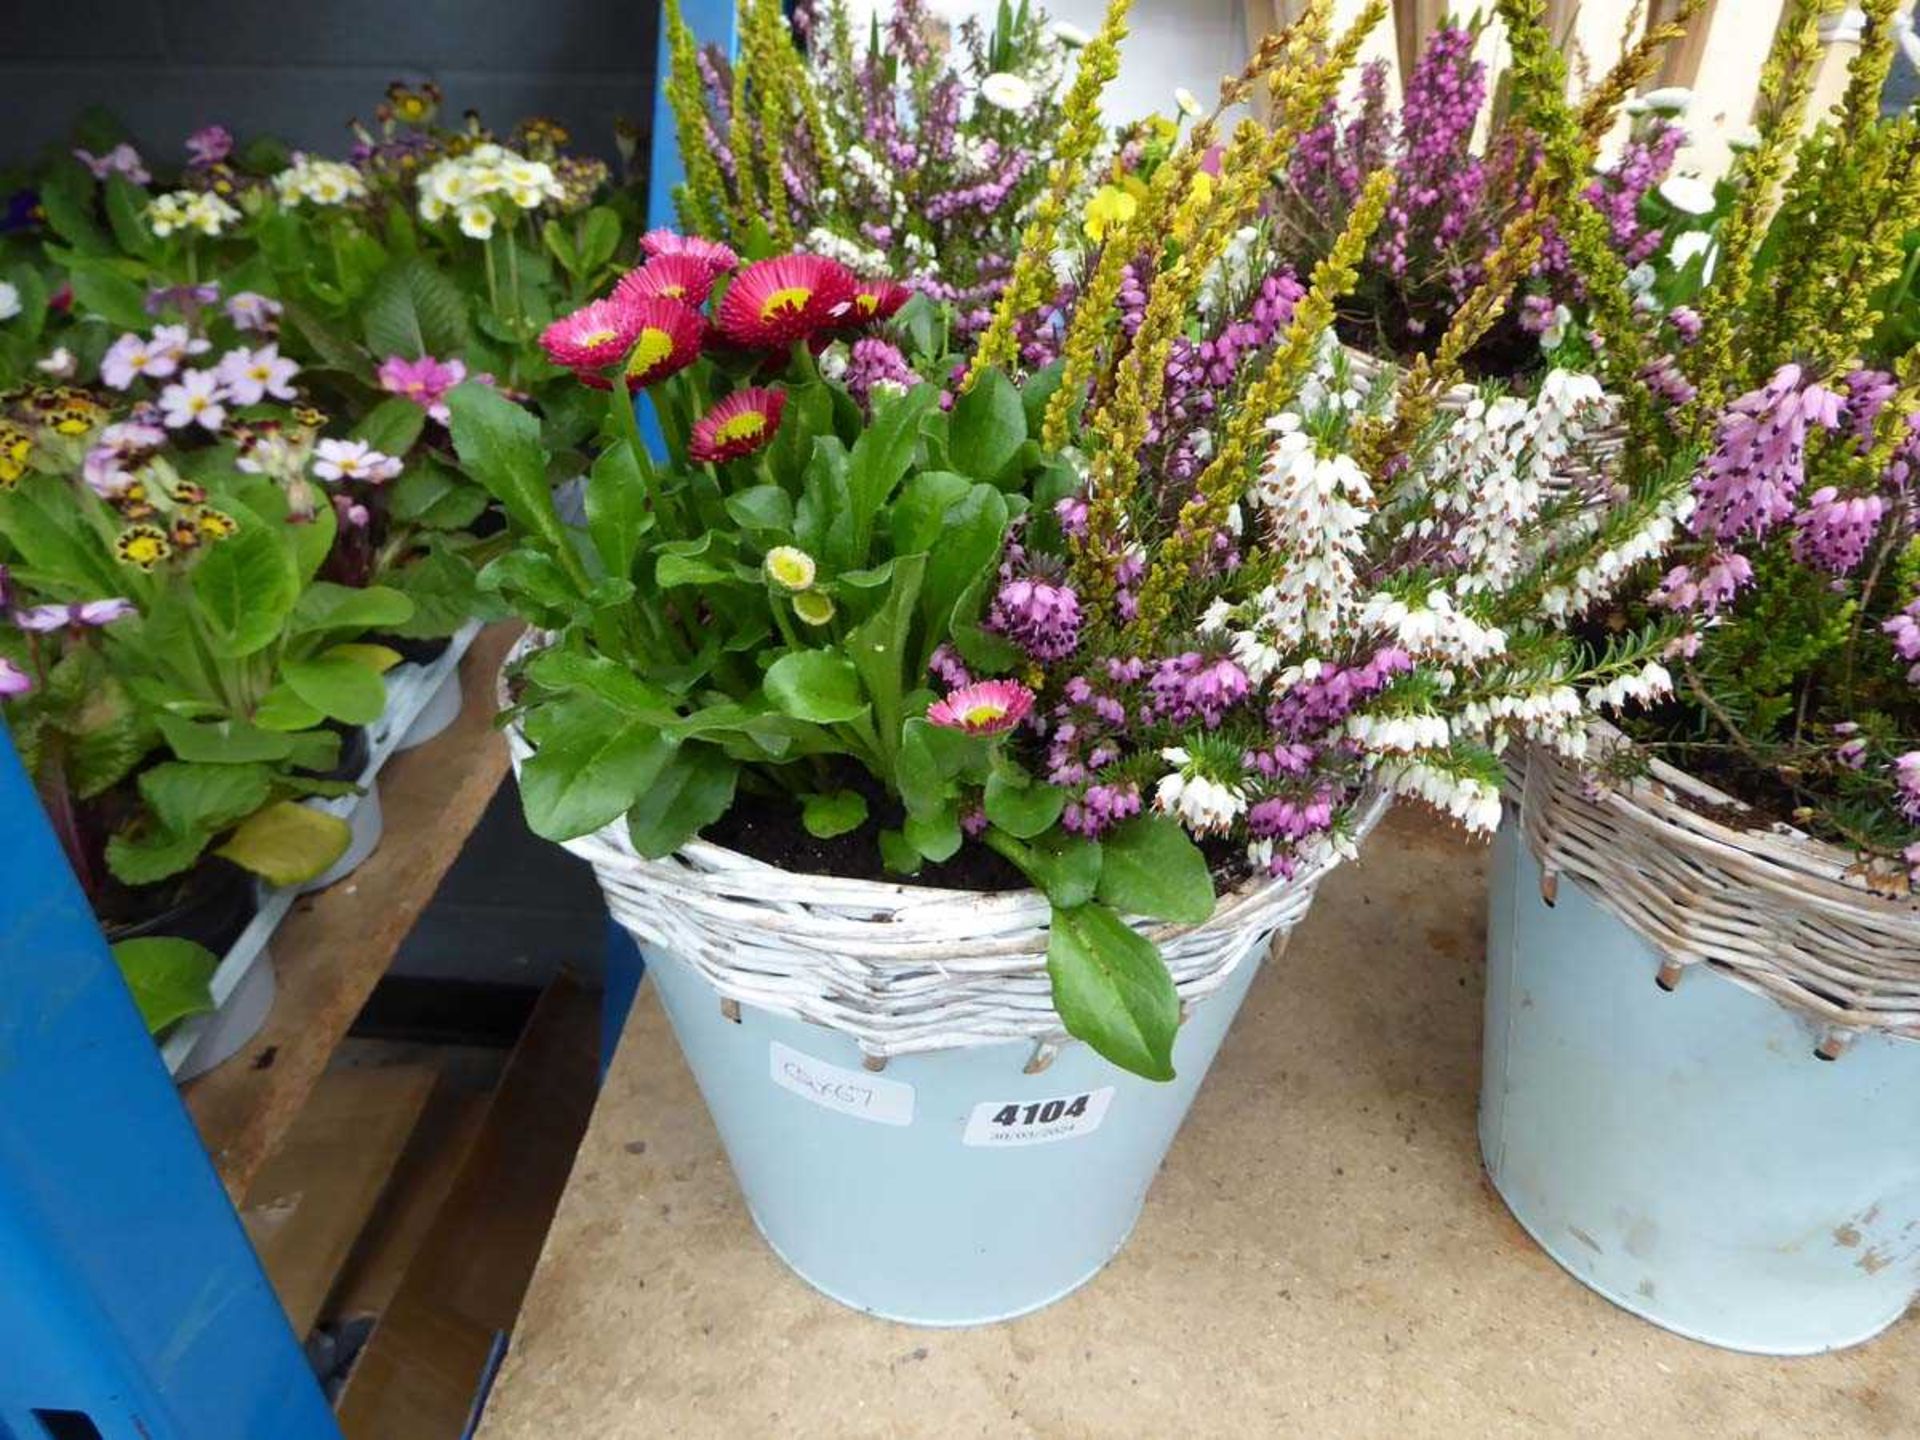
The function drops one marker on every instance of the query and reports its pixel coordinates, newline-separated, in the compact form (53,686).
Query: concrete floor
(1320,1255)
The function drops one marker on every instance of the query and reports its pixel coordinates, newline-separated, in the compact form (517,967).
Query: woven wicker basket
(1769,907)
(901,969)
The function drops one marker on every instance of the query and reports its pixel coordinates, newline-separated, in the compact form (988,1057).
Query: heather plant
(1452,196)
(901,152)
(1787,408)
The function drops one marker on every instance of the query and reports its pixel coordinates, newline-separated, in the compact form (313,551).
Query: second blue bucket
(950,1188)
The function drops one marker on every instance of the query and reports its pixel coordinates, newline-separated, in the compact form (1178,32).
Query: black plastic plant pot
(354,753)
(211,904)
(415,651)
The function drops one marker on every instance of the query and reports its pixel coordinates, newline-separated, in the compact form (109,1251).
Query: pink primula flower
(425,381)
(341,460)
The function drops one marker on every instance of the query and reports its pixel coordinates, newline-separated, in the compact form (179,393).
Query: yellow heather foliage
(1082,130)
(703,200)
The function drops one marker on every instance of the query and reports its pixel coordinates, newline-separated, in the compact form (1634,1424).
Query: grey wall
(300,69)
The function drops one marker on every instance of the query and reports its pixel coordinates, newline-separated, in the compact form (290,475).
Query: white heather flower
(1399,733)
(1651,682)
(1690,243)
(9,300)
(1433,625)
(1214,618)
(1471,801)
(1006,91)
(1204,805)
(1318,506)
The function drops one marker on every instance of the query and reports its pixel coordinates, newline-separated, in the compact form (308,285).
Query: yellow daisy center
(983,712)
(788,300)
(594,339)
(654,346)
(748,425)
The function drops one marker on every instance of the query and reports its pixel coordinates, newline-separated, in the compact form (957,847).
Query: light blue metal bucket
(1686,1153)
(950,1188)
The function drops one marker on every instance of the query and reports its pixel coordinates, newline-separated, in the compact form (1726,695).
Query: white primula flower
(1069,34)
(60,364)
(477,220)
(1006,91)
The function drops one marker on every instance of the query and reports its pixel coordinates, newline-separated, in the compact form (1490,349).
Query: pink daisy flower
(773,303)
(593,337)
(671,242)
(879,299)
(669,341)
(987,707)
(673,277)
(739,425)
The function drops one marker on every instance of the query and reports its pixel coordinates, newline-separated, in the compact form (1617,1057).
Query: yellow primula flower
(16,446)
(142,545)
(1110,206)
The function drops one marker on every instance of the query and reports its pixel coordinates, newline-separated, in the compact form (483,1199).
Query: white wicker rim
(900,969)
(1770,907)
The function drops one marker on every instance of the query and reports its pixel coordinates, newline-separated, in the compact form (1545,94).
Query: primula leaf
(222,742)
(1020,805)
(987,426)
(617,513)
(107,738)
(564,670)
(392,426)
(443,590)
(1112,989)
(168,977)
(327,606)
(287,843)
(817,685)
(1151,868)
(247,586)
(99,290)
(41,519)
(593,762)
(339,686)
(186,797)
(155,856)
(281,709)
(692,791)
(836,813)
(433,495)
(413,310)
(126,205)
